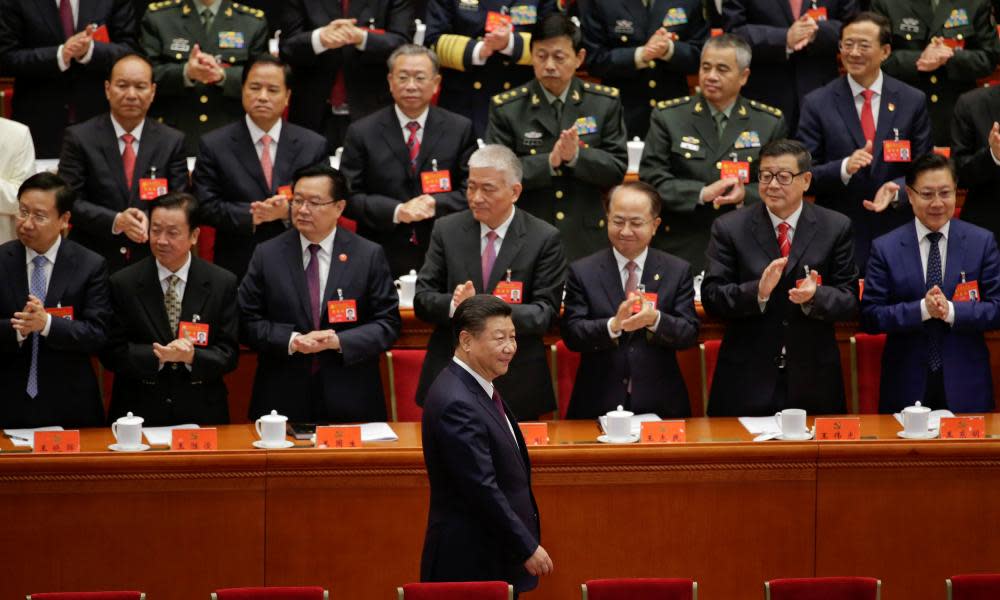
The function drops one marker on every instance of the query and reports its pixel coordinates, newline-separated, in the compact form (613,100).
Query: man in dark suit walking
(319,306)
(483,521)
(59,53)
(175,326)
(780,274)
(975,148)
(934,286)
(629,355)
(494,248)
(407,164)
(54,313)
(244,167)
(117,163)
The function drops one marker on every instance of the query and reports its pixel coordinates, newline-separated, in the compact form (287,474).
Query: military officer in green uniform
(198,49)
(701,151)
(940,47)
(569,135)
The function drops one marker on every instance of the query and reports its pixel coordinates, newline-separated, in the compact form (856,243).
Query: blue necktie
(37,288)
(935,328)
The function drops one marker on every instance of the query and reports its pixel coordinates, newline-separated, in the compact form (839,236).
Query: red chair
(88,596)
(973,587)
(867,371)
(271,593)
(404,374)
(466,590)
(824,588)
(640,589)
(567,364)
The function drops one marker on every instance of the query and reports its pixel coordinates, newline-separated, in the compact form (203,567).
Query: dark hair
(178,200)
(338,184)
(782,147)
(48,182)
(880,21)
(414,50)
(267,59)
(655,201)
(744,54)
(554,26)
(472,314)
(929,162)
(126,57)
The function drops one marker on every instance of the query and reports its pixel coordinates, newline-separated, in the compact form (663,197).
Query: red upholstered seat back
(87,596)
(468,590)
(406,365)
(869,350)
(975,587)
(711,358)
(825,588)
(271,593)
(640,589)
(567,363)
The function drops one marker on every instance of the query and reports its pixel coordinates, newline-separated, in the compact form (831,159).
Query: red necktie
(338,94)
(265,160)
(66,17)
(413,144)
(867,117)
(632,282)
(128,157)
(489,257)
(784,244)
(796,6)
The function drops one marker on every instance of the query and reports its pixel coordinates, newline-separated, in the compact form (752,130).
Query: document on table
(637,420)
(759,425)
(161,436)
(933,419)
(25,438)
(378,432)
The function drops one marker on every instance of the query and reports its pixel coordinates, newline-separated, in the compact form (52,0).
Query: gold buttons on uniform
(652,83)
(933,97)
(232,59)
(600,223)
(666,229)
(959,36)
(506,85)
(933,78)
(203,118)
(560,216)
(718,165)
(179,56)
(533,151)
(909,37)
(477,85)
(749,159)
(559,194)
(624,38)
(687,155)
(652,103)
(204,99)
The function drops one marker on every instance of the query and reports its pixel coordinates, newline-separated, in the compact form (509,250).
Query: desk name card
(194,439)
(963,428)
(57,442)
(535,434)
(338,436)
(663,432)
(838,429)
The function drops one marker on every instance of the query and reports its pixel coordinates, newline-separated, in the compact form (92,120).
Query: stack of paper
(378,432)
(25,438)
(637,420)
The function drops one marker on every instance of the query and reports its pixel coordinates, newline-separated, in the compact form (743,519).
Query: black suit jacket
(743,243)
(30,35)
(228,177)
(483,520)
(645,358)
(68,394)
(173,394)
(376,163)
(533,253)
(364,71)
(975,113)
(92,165)
(274,302)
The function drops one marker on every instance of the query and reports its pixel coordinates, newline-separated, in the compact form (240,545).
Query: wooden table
(721,509)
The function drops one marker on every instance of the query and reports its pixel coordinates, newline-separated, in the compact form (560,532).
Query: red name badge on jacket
(286,191)
(61,312)
(495,20)
(966,291)
(342,311)
(647,297)
(817,13)
(511,292)
(152,188)
(739,169)
(194,331)
(435,182)
(101,35)
(953,43)
(896,151)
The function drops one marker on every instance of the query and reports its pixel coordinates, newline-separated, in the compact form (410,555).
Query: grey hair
(727,40)
(501,158)
(414,50)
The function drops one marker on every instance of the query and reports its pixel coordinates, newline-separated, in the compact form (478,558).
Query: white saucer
(264,446)
(802,437)
(632,438)
(120,448)
(927,435)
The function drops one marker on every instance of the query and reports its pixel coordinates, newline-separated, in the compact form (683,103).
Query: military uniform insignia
(675,16)
(468,4)
(748,139)
(180,45)
(624,26)
(742,111)
(690,143)
(909,24)
(533,138)
(231,39)
(229,11)
(186,10)
(576,95)
(585,125)
(535,100)
(523,15)
(697,107)
(957,18)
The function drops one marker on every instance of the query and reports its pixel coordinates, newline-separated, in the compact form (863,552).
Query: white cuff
(476,58)
(639,63)
(669,53)
(188,82)
(451,309)
(48,325)
(950,318)
(317,45)
(509,50)
(845,177)
(395,214)
(364,40)
(20,338)
(294,335)
(656,323)
(762,302)
(59,58)
(994,157)
(611,332)
(89,55)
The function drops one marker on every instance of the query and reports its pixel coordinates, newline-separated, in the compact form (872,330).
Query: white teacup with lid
(619,424)
(271,429)
(128,432)
(792,422)
(916,419)
(407,287)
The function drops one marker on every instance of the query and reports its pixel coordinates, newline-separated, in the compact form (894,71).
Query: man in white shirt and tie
(17,163)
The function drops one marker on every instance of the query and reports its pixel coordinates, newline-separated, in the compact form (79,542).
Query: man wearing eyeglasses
(627,311)
(406,164)
(319,306)
(569,135)
(781,274)
(863,130)
(933,285)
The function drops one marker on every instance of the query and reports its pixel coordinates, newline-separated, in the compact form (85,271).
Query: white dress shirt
(793,222)
(640,263)
(64,66)
(484,229)
(319,48)
(859,103)
(403,122)
(925,250)
(164,273)
(120,131)
(324,255)
(256,133)
(50,254)
(477,50)
(488,388)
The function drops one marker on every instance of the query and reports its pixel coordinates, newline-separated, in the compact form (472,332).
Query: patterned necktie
(489,257)
(936,327)
(128,159)
(37,287)
(66,17)
(312,280)
(265,159)
(632,282)
(784,244)
(172,302)
(413,144)
(867,116)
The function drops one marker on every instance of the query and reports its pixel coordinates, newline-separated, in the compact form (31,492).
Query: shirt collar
(213,7)
(256,132)
(486,385)
(857,88)
(326,245)
(163,272)
(501,230)
(120,131)
(550,98)
(726,111)
(923,230)
(404,120)
(792,220)
(640,260)
(51,253)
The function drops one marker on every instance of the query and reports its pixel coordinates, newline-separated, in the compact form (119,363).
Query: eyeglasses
(944,194)
(39,218)
(850,45)
(620,223)
(783,177)
(298,202)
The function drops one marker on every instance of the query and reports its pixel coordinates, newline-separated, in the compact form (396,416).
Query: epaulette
(765,108)
(673,102)
(155,6)
(505,97)
(255,12)
(605,90)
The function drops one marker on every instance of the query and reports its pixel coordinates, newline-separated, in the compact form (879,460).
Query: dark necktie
(557,106)
(338,93)
(312,280)
(206,19)
(488,258)
(499,404)
(66,18)
(935,327)
(720,122)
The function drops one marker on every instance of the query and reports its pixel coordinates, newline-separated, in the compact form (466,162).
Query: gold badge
(892,107)
(186,10)
(576,95)
(534,99)
(743,110)
(697,107)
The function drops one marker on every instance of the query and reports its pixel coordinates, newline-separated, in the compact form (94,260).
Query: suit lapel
(574,97)
(509,249)
(849,113)
(611,280)
(433,130)
(196,290)
(108,142)
(192,23)
(50,13)
(640,16)
(342,244)
(803,235)
(763,232)
(62,272)
(911,263)
(293,259)
(953,262)
(541,111)
(936,21)
(246,155)
(393,136)
(701,116)
(994,104)
(786,9)
(473,256)
(284,159)
(487,405)
(150,294)
(739,118)
(18,274)
(145,158)
(886,118)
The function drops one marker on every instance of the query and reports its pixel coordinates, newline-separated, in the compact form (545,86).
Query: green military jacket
(169,31)
(571,197)
(684,153)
